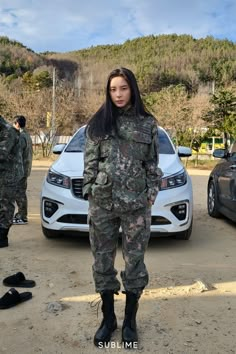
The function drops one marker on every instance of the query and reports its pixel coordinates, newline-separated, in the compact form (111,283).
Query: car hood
(72,164)
(170,164)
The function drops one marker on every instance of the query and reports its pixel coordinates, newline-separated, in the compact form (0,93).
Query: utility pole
(79,84)
(213,87)
(53,100)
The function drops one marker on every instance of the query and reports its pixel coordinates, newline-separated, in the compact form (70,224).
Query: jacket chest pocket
(142,142)
(105,148)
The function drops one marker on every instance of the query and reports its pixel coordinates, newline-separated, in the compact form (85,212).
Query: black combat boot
(3,237)
(109,323)
(129,329)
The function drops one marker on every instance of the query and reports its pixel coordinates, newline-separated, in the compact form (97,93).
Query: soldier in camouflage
(20,217)
(121,182)
(11,171)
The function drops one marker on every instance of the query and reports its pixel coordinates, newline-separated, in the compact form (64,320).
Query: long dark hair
(103,122)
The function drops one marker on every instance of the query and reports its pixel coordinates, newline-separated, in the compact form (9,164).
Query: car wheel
(50,233)
(185,235)
(212,202)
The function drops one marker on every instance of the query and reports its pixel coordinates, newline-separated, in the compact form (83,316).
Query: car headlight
(173,181)
(58,180)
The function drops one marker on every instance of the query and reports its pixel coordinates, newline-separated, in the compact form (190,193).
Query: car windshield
(165,146)
(77,143)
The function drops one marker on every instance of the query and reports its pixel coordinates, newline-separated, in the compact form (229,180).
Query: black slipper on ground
(18,280)
(13,298)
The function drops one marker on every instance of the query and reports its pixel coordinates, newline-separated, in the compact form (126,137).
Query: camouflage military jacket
(121,171)
(11,168)
(27,151)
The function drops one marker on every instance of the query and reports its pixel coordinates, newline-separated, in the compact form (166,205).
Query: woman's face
(120,92)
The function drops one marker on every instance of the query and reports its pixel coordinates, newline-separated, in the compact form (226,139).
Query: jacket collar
(130,111)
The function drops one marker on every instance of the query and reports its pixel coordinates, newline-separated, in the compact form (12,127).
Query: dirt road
(188,307)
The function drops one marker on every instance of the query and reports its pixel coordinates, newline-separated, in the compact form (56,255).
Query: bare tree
(37,107)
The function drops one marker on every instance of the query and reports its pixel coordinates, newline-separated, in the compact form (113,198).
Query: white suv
(64,211)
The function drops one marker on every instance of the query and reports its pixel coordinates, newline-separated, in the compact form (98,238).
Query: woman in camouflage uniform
(121,179)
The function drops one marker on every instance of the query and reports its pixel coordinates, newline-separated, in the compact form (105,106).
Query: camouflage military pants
(104,232)
(21,199)
(7,204)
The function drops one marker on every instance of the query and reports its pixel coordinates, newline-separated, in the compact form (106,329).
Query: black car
(221,191)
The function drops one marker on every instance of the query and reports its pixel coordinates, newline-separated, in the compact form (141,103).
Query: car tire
(185,235)
(212,201)
(50,233)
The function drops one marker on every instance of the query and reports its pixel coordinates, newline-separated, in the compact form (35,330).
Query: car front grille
(82,219)
(77,185)
(73,219)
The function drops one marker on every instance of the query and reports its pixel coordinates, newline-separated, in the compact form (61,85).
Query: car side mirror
(57,149)
(184,151)
(220,153)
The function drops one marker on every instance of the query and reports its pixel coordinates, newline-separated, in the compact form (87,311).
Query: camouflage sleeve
(25,153)
(91,159)
(23,142)
(153,172)
(28,165)
(7,142)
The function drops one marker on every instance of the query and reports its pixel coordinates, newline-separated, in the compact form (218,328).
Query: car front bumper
(62,211)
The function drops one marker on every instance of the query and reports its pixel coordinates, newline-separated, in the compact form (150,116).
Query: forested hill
(157,61)
(175,73)
(165,59)
(16,59)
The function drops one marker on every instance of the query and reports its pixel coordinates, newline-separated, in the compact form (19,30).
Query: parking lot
(188,307)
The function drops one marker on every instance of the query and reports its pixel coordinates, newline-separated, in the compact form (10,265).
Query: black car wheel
(212,202)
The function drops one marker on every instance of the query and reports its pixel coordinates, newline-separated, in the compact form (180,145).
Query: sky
(68,25)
